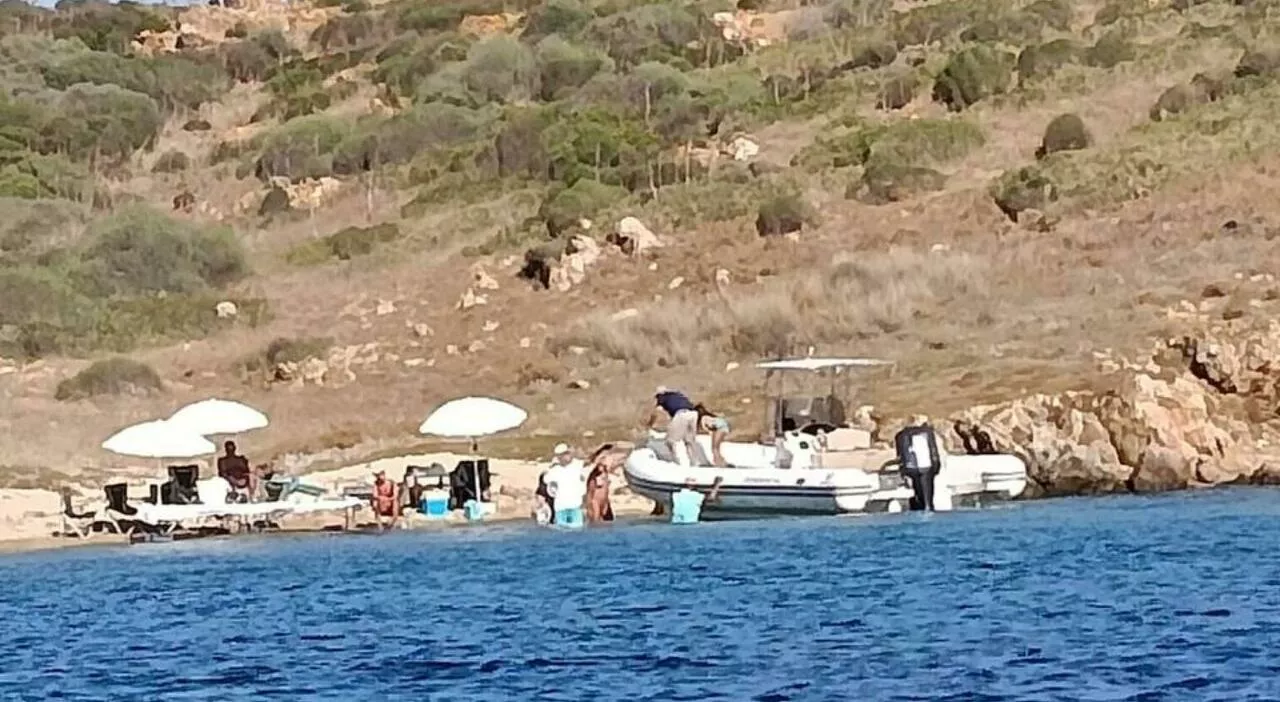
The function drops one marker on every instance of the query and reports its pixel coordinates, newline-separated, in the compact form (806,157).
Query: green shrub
(1258,62)
(109,27)
(300,148)
(1065,133)
(840,150)
(923,141)
(1041,60)
(783,213)
(1111,50)
(501,69)
(101,121)
(346,31)
(563,67)
(173,81)
(433,130)
(914,142)
(937,22)
(669,33)
(897,91)
(1022,189)
(138,250)
(171,162)
(112,376)
(257,57)
(597,144)
(344,245)
(883,182)
(37,176)
(564,207)
(565,18)
(972,74)
(31,228)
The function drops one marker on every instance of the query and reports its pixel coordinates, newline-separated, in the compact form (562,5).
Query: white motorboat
(816,464)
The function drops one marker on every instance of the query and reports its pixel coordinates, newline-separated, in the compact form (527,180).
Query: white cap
(661,389)
(560,449)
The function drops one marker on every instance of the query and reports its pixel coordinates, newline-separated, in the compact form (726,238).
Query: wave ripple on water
(1169,598)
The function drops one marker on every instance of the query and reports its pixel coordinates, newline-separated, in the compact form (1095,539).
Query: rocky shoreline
(1201,410)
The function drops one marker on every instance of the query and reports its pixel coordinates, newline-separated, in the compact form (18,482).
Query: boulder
(634,238)
(1204,415)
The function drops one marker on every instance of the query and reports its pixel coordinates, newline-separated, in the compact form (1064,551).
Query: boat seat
(848,439)
(869,460)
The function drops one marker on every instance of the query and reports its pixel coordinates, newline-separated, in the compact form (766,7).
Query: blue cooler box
(435,504)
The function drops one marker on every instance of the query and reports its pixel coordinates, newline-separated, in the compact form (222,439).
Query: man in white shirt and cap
(567,484)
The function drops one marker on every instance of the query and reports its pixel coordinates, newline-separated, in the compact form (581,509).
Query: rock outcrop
(1202,412)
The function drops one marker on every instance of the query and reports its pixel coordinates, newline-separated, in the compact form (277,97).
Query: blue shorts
(571,518)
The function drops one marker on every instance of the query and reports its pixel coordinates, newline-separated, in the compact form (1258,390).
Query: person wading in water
(599,508)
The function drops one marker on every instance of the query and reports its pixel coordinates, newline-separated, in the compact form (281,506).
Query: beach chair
(181,488)
(74,521)
(463,482)
(118,513)
(285,486)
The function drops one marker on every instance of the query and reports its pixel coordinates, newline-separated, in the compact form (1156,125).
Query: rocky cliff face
(1203,410)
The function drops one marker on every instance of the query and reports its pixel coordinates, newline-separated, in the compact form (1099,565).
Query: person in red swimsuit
(385,500)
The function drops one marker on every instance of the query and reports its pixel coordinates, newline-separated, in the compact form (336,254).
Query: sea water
(1160,598)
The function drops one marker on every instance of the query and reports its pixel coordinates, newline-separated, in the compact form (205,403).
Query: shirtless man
(385,500)
(235,469)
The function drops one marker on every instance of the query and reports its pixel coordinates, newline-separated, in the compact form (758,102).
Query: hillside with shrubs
(346,211)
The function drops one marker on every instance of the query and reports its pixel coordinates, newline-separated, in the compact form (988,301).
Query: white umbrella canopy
(216,416)
(469,417)
(158,439)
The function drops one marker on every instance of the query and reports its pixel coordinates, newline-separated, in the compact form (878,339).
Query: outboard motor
(919,461)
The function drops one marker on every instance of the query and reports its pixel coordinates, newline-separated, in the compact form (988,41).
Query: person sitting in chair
(235,469)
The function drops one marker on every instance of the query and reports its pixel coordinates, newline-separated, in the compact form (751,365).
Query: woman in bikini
(717,427)
(599,509)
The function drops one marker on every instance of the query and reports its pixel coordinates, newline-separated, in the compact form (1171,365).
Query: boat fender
(919,460)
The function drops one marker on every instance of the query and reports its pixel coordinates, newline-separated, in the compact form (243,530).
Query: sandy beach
(30,519)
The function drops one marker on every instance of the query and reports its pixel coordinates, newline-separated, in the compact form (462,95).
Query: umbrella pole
(475,462)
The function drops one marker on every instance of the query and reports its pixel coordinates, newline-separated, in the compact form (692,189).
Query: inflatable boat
(801,474)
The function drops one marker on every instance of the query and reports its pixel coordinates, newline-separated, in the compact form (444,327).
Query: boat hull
(752,492)
(754,487)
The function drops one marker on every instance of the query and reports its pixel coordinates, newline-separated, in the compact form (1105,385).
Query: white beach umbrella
(158,439)
(471,417)
(215,416)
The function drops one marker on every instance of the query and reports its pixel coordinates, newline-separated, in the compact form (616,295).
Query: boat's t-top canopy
(785,412)
(809,363)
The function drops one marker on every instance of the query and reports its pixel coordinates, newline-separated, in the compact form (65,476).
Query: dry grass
(858,297)
(998,312)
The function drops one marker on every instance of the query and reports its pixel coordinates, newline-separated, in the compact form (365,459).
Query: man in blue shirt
(686,504)
(683,427)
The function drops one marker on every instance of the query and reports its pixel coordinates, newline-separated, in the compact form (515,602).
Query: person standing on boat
(567,485)
(717,427)
(686,504)
(683,425)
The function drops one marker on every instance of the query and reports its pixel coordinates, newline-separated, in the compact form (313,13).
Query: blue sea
(1127,598)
